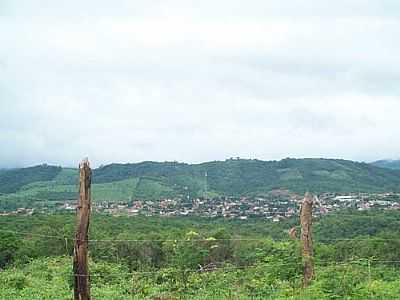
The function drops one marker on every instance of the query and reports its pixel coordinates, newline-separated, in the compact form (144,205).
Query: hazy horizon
(185,162)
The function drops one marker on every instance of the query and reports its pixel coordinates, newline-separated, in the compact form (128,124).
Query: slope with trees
(232,177)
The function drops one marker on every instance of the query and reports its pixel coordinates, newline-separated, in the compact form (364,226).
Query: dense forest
(43,184)
(356,256)
(389,164)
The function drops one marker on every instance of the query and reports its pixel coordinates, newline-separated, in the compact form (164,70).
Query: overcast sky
(127,81)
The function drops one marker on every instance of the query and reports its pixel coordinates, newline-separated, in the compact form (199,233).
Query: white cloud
(196,81)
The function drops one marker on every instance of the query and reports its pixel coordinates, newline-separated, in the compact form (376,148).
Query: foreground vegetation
(356,255)
(50,278)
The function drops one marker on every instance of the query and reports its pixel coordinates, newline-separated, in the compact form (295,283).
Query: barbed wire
(33,234)
(211,239)
(237,240)
(201,269)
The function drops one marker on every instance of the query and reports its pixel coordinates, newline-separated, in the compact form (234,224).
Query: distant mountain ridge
(232,177)
(388,163)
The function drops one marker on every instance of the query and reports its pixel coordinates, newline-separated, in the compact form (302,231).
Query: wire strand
(232,268)
(371,239)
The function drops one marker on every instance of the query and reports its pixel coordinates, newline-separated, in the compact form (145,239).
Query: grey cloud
(196,81)
(207,8)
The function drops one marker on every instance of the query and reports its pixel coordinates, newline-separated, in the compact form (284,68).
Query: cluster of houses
(19,211)
(274,207)
(359,201)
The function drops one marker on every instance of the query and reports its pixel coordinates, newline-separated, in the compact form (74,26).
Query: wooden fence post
(81,270)
(306,238)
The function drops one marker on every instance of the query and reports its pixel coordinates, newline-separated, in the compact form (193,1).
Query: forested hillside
(389,164)
(13,180)
(233,177)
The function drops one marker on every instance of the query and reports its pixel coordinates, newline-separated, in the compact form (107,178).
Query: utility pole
(306,238)
(80,267)
(205,185)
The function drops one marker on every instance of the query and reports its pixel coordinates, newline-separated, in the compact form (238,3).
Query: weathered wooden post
(81,270)
(306,238)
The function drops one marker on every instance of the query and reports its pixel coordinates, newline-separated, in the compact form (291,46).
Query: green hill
(233,177)
(389,164)
(13,180)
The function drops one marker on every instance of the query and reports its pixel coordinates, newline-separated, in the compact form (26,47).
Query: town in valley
(276,206)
